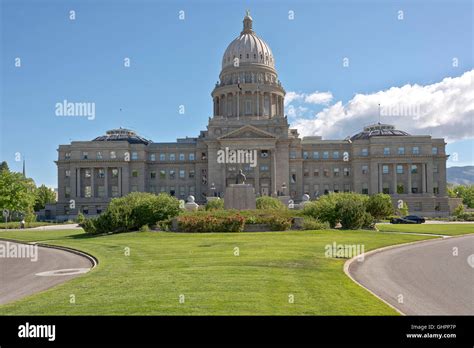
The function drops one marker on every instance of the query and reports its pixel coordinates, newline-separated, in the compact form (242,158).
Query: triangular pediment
(247,132)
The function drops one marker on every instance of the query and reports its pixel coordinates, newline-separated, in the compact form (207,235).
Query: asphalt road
(429,278)
(18,276)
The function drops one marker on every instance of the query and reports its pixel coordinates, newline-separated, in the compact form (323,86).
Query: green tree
(17,194)
(44,195)
(4,166)
(466,192)
(380,206)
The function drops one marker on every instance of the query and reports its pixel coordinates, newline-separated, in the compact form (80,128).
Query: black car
(410,219)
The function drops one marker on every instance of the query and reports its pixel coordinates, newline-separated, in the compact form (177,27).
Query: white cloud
(444,109)
(296,112)
(313,98)
(319,98)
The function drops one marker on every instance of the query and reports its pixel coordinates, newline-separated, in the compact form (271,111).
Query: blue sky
(177,62)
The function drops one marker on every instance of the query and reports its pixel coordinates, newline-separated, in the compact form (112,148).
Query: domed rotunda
(248,84)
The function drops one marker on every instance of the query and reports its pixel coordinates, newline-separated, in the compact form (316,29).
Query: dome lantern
(247,24)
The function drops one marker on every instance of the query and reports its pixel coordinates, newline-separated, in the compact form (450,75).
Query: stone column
(380,177)
(73,183)
(273,177)
(79,191)
(409,178)
(429,178)
(92,183)
(423,178)
(106,182)
(257,177)
(119,181)
(394,183)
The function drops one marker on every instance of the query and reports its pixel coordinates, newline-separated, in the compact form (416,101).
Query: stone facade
(248,114)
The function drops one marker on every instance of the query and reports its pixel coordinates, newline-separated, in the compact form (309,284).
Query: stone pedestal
(239,196)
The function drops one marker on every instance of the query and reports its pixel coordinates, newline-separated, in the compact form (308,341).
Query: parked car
(410,219)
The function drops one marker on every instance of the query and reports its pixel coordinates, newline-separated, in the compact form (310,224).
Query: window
(152,175)
(192,190)
(172,174)
(316,189)
(401,150)
(87,173)
(101,173)
(88,191)
(435,188)
(191,156)
(347,187)
(305,155)
(162,157)
(306,172)
(365,169)
(67,192)
(264,168)
(162,174)
(134,173)
(434,150)
(115,191)
(264,153)
(203,156)
(67,156)
(316,172)
(336,171)
(98,155)
(182,174)
(326,189)
(385,169)
(326,172)
(293,178)
(399,169)
(152,189)
(326,154)
(400,189)
(365,189)
(182,191)
(172,157)
(67,173)
(435,168)
(347,171)
(335,154)
(415,150)
(101,191)
(152,157)
(315,154)
(266,106)
(414,169)
(113,155)
(365,152)
(191,173)
(85,155)
(386,151)
(134,155)
(385,188)
(85,210)
(181,157)
(414,188)
(336,188)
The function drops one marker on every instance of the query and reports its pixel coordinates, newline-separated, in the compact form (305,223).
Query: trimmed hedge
(211,223)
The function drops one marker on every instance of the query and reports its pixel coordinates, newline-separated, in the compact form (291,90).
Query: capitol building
(248,114)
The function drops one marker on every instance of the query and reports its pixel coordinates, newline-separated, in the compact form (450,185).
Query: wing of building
(248,114)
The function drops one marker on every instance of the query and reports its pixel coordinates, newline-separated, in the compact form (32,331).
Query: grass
(203,268)
(445,229)
(16,224)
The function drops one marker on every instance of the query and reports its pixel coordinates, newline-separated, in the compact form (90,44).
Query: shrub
(351,213)
(216,204)
(211,223)
(144,228)
(459,210)
(403,210)
(310,223)
(133,211)
(324,209)
(380,206)
(267,202)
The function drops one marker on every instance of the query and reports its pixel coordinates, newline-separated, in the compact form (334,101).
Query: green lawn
(445,229)
(202,267)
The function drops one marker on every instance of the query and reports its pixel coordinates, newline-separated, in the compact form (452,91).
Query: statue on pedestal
(240,179)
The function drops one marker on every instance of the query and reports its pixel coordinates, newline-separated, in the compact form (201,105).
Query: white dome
(248,48)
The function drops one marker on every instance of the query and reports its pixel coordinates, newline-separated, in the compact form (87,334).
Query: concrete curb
(92,259)
(349,262)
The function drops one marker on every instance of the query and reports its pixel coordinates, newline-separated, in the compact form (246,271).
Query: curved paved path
(431,280)
(18,276)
